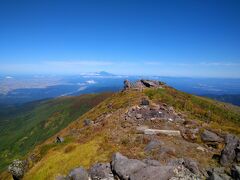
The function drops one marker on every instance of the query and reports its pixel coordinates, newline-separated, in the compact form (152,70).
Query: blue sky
(194,38)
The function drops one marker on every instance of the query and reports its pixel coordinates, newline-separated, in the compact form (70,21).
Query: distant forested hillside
(23,127)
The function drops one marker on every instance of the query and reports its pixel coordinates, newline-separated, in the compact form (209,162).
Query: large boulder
(153,173)
(228,154)
(78,174)
(101,171)
(17,169)
(208,136)
(124,167)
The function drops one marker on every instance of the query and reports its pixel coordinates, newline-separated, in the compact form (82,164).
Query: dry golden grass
(85,146)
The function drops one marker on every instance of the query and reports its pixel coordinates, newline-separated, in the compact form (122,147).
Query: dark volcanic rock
(228,154)
(124,167)
(78,174)
(208,136)
(101,171)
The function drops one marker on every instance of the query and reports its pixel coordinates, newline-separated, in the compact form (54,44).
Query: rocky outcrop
(132,169)
(127,85)
(230,152)
(123,168)
(142,84)
(152,112)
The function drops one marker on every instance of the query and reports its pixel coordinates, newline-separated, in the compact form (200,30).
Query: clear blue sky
(170,38)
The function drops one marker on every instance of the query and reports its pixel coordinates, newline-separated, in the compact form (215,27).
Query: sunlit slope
(86,145)
(21,129)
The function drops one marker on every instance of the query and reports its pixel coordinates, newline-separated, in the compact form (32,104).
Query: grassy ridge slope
(112,132)
(22,129)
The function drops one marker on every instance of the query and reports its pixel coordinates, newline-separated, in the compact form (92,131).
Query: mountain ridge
(121,122)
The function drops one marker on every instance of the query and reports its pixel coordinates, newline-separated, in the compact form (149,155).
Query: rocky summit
(148,131)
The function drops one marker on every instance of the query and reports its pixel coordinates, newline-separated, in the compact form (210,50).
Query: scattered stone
(145,102)
(59,139)
(200,148)
(189,134)
(208,136)
(228,154)
(101,171)
(87,122)
(138,116)
(78,174)
(17,169)
(124,167)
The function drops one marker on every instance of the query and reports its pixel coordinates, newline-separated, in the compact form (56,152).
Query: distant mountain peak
(104,73)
